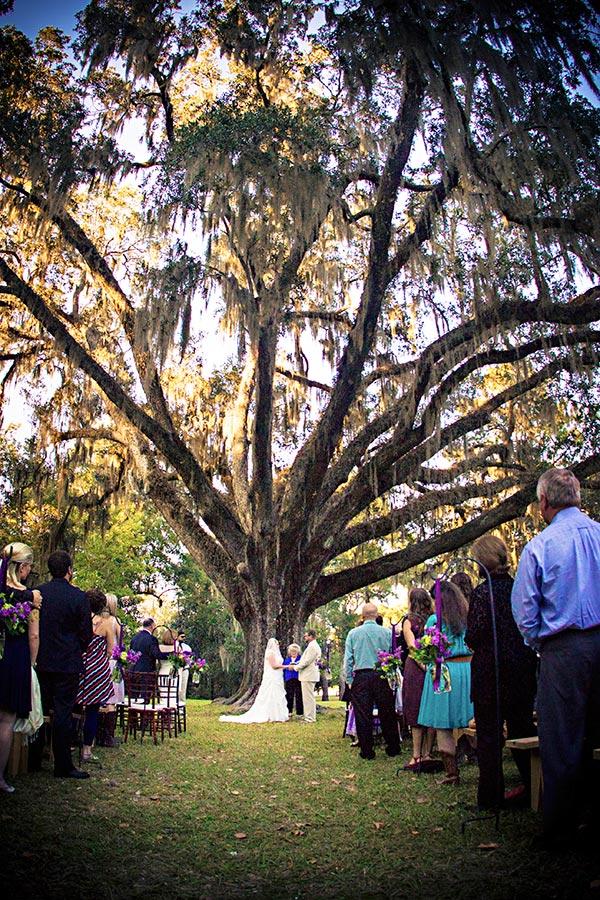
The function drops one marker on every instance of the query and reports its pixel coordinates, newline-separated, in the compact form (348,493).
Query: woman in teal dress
(453,709)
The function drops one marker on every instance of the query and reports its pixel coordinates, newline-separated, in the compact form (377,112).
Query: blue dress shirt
(362,645)
(289,674)
(558,579)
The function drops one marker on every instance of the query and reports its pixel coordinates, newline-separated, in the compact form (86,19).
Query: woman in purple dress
(419,610)
(15,664)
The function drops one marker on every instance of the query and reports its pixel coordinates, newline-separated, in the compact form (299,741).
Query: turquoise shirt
(362,645)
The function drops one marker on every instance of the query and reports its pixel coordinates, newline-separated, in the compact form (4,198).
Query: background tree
(378,203)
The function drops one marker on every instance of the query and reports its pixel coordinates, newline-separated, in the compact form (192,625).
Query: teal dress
(453,709)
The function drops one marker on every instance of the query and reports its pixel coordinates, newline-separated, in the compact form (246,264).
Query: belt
(356,671)
(558,634)
(459,659)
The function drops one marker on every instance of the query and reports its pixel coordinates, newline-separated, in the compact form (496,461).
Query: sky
(31,15)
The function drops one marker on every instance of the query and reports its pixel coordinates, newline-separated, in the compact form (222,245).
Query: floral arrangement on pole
(389,666)
(432,650)
(184,659)
(124,658)
(196,666)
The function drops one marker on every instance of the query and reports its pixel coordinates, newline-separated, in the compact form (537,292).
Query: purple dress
(15,665)
(414,678)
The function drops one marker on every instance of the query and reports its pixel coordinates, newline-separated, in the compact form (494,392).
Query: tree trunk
(286,623)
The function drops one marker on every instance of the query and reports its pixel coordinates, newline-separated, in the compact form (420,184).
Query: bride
(270,704)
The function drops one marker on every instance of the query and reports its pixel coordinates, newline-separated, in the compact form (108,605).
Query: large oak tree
(390,209)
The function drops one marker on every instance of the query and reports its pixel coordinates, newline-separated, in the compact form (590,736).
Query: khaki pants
(308,701)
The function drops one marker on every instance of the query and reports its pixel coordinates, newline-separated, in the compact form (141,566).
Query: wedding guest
(146,643)
(293,688)
(516,672)
(464,583)
(65,633)
(556,604)
(184,674)
(453,709)
(107,717)
(166,644)
(420,607)
(15,664)
(308,675)
(368,688)
(95,682)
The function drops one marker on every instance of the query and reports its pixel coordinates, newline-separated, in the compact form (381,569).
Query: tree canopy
(336,293)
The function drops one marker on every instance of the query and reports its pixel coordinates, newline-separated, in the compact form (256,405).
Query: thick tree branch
(215,512)
(382,526)
(395,463)
(311,463)
(331,586)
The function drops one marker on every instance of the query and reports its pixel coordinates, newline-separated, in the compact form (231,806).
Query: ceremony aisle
(286,811)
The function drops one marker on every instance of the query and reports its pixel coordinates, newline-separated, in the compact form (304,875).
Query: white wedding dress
(270,704)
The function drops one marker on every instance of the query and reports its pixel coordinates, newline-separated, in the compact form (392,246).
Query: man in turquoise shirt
(367,687)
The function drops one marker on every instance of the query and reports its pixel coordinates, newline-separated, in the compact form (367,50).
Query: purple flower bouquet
(389,666)
(433,649)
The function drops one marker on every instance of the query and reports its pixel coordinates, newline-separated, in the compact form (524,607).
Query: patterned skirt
(95,683)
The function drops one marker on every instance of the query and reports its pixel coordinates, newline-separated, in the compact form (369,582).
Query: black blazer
(65,627)
(145,643)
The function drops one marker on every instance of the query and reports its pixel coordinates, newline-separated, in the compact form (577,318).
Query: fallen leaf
(240,835)
(437,828)
(154,797)
(314,783)
(414,832)
(421,799)
(373,803)
(235,793)
(123,824)
(298,832)
(335,781)
(378,825)
(487,845)
(351,775)
(27,854)
(352,788)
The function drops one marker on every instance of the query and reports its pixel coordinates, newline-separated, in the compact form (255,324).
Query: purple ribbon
(438,615)
(4,570)
(394,638)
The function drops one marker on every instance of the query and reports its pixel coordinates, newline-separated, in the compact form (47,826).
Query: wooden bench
(19,755)
(532,744)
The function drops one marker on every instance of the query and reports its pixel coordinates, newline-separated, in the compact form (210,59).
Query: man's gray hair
(560,488)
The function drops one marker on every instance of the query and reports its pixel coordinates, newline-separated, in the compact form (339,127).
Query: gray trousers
(308,701)
(569,727)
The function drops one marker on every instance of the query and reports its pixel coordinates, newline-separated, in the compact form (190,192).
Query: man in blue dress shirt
(367,687)
(556,604)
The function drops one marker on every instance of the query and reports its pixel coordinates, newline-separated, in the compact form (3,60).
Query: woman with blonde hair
(293,688)
(107,717)
(516,672)
(15,665)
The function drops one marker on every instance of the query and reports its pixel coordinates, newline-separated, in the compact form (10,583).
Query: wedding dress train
(270,704)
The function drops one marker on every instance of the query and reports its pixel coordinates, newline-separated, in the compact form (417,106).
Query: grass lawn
(270,811)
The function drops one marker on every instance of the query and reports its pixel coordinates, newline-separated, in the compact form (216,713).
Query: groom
(308,675)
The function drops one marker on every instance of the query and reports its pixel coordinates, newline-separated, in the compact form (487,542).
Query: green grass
(317,821)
